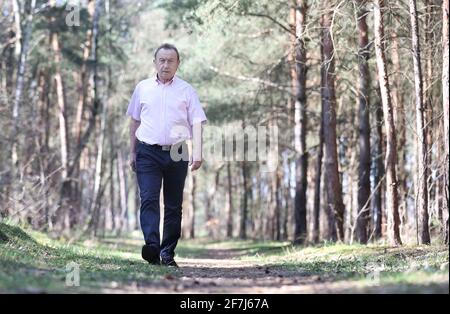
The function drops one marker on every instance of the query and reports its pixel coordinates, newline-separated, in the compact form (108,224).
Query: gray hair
(168,47)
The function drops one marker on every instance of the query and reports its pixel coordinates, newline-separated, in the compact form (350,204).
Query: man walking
(165,111)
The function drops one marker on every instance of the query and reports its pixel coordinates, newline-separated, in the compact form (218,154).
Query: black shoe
(169,263)
(150,254)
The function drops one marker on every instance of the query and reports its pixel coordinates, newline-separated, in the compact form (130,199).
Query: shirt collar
(170,82)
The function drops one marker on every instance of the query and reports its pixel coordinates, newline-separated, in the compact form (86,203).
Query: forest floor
(31,262)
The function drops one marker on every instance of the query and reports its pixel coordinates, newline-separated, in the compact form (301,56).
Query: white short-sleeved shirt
(167,111)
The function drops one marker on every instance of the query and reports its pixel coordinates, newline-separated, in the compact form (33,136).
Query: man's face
(166,63)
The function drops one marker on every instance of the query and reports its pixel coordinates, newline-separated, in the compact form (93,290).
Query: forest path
(220,271)
(32,262)
(246,267)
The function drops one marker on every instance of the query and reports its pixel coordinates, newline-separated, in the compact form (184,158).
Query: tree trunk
(440,191)
(243,226)
(64,201)
(43,149)
(317,185)
(112,191)
(445,104)
(287,201)
(22,50)
(84,83)
(378,171)
(364,131)
(391,147)
(431,126)
(331,161)
(95,208)
(18,28)
(61,98)
(83,87)
(277,204)
(230,203)
(350,155)
(398,104)
(122,223)
(210,214)
(84,138)
(301,163)
(422,150)
(330,233)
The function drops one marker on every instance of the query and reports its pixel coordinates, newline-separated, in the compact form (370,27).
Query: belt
(162,147)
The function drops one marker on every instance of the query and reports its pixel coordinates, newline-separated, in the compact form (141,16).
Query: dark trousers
(155,167)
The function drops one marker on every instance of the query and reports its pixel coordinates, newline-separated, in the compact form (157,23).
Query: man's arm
(197,143)
(134,124)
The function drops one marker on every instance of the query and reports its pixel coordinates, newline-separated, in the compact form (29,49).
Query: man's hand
(195,164)
(133,161)
(134,125)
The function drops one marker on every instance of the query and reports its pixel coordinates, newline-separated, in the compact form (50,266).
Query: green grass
(371,268)
(31,262)
(204,247)
(407,268)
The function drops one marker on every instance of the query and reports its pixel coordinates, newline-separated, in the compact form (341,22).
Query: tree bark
(210,202)
(378,172)
(22,51)
(61,97)
(431,126)
(287,201)
(317,185)
(422,147)
(84,138)
(398,104)
(65,192)
(230,203)
(363,217)
(112,190)
(334,188)
(244,210)
(42,142)
(95,201)
(84,83)
(83,87)
(391,146)
(445,105)
(301,163)
(18,29)
(276,184)
(123,217)
(330,232)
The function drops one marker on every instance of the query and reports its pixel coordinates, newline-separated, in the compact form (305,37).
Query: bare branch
(273,20)
(251,79)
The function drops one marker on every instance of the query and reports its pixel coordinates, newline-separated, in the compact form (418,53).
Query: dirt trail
(218,268)
(218,271)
